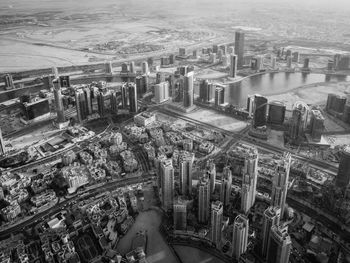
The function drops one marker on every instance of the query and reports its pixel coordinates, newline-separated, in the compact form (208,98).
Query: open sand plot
(219,120)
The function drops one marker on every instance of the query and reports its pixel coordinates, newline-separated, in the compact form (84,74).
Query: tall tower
(186,163)
(55,72)
(204,92)
(219,95)
(239,48)
(211,172)
(180,214)
(58,101)
(216,222)
(80,104)
(240,236)
(226,185)
(203,199)
(260,109)
(132,67)
(188,90)
(233,65)
(132,90)
(144,68)
(279,245)
(167,184)
(2,144)
(9,82)
(250,177)
(272,217)
(343,176)
(280,182)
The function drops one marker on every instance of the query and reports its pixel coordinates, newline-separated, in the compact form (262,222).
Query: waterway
(272,83)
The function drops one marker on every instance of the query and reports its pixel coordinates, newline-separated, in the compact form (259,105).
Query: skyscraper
(109,67)
(277,112)
(132,67)
(180,214)
(343,176)
(211,172)
(204,91)
(125,97)
(161,92)
(306,63)
(289,62)
(279,245)
(9,82)
(167,184)
(58,101)
(144,68)
(2,144)
(80,104)
(240,236)
(188,90)
(88,97)
(280,182)
(239,48)
(103,102)
(299,121)
(186,163)
(216,222)
(260,108)
(219,95)
(250,177)
(316,125)
(203,199)
(271,218)
(132,97)
(273,62)
(233,65)
(226,186)
(55,72)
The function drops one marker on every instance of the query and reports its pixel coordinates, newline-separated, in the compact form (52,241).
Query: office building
(139,86)
(298,121)
(306,63)
(144,68)
(80,104)
(160,77)
(277,112)
(217,210)
(150,61)
(226,186)
(132,67)
(280,182)
(124,68)
(288,53)
(223,48)
(161,92)
(289,62)
(240,236)
(250,176)
(188,90)
(195,54)
(219,95)
(257,63)
(343,176)
(212,58)
(335,103)
(233,65)
(144,83)
(171,59)
(316,125)
(204,91)
(260,108)
(250,105)
(330,65)
(180,214)
(114,102)
(346,114)
(231,50)
(64,81)
(183,70)
(211,172)
(215,49)
(9,82)
(182,52)
(279,245)
(54,72)
(341,62)
(203,199)
(220,55)
(185,164)
(272,217)
(103,102)
(2,144)
(132,98)
(125,97)
(296,57)
(167,184)
(109,67)
(273,63)
(58,101)
(239,48)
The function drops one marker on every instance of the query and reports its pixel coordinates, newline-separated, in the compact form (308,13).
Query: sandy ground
(319,93)
(335,140)
(219,120)
(275,138)
(196,255)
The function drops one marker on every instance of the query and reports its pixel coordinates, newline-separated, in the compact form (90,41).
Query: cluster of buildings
(338,107)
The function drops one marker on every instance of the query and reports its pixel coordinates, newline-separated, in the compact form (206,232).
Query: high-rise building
(65,81)
(161,92)
(346,114)
(88,97)
(171,59)
(296,57)
(343,176)
(167,184)
(124,68)
(279,245)
(316,125)
(306,63)
(139,86)
(180,214)
(288,53)
(125,97)
(132,97)
(2,144)
(231,50)
(114,102)
(144,83)
(103,102)
(220,54)
(250,177)
(186,163)
(223,48)
(212,58)
(55,72)
(204,91)
(194,54)
(132,67)
(239,48)
(280,182)
(183,70)
(257,63)
(9,82)
(226,186)
(260,108)
(217,210)
(109,67)
(277,112)
(160,77)
(58,101)
(215,49)
(219,95)
(80,104)
(188,90)
(233,65)
(250,105)
(203,199)
(272,217)
(289,62)
(150,61)
(182,51)
(240,236)
(298,121)
(211,172)
(273,62)
(144,68)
